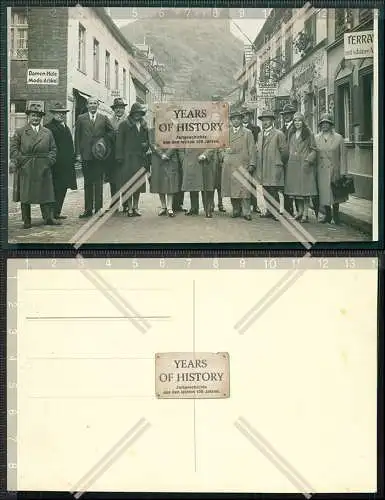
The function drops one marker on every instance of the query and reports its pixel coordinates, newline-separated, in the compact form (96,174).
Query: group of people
(292,165)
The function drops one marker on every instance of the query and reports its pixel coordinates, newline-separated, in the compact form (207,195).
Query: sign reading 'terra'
(358,44)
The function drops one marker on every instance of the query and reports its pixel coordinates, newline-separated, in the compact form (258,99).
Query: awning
(85,96)
(346,71)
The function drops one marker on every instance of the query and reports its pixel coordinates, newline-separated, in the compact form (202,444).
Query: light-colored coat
(241,153)
(300,179)
(331,164)
(192,170)
(33,155)
(272,154)
(164,173)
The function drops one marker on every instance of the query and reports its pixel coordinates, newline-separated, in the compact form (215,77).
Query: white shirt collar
(92,115)
(138,125)
(235,129)
(288,124)
(267,130)
(36,127)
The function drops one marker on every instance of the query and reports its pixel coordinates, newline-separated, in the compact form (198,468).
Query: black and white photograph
(276,110)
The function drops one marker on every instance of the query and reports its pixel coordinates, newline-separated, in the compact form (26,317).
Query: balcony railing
(20,54)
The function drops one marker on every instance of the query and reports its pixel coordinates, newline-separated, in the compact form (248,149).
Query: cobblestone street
(153,229)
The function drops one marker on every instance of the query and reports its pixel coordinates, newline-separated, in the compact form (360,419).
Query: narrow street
(149,228)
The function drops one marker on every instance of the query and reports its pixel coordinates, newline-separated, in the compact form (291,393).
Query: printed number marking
(324,263)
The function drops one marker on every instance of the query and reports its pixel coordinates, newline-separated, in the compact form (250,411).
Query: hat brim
(29,112)
(325,121)
(118,106)
(59,110)
(266,116)
(138,112)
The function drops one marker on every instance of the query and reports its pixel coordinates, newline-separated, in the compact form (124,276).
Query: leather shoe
(52,222)
(27,225)
(85,215)
(247,217)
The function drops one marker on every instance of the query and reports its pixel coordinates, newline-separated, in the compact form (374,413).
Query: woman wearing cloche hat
(331,165)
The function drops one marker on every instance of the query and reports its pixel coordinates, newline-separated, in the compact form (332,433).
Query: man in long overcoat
(132,144)
(272,155)
(63,170)
(255,130)
(33,152)
(118,107)
(241,153)
(287,115)
(89,128)
(192,180)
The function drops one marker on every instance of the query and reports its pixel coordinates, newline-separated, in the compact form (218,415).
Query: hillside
(201,56)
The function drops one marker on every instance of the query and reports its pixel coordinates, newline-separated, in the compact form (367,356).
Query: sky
(245,25)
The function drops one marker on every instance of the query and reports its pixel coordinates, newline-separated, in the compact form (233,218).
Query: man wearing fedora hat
(93,135)
(33,151)
(272,156)
(63,170)
(288,125)
(119,108)
(241,153)
(255,130)
(132,144)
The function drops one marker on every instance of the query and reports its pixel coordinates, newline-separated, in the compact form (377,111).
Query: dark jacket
(255,130)
(63,170)
(130,151)
(87,133)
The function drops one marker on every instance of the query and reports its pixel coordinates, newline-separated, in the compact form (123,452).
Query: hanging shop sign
(358,45)
(43,77)
(267,89)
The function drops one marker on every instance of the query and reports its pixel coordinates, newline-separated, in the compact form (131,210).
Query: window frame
(15,29)
(107,66)
(338,106)
(82,44)
(124,78)
(116,74)
(365,73)
(96,60)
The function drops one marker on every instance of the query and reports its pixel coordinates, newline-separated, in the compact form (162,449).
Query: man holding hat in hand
(33,152)
(93,135)
(63,170)
(272,156)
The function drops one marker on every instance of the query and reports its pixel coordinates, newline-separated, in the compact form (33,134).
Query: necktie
(93,119)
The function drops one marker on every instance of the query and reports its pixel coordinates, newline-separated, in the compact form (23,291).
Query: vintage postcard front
(192,375)
(103,355)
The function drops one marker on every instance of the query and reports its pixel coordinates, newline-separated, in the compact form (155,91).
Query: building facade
(86,49)
(299,58)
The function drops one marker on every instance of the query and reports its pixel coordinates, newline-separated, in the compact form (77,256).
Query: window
(309,110)
(82,49)
(107,70)
(19,34)
(18,106)
(288,50)
(116,75)
(366,86)
(344,110)
(343,21)
(322,108)
(311,30)
(365,14)
(124,83)
(96,60)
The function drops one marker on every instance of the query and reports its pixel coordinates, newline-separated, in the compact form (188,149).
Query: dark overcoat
(212,169)
(112,166)
(63,170)
(241,153)
(272,154)
(130,151)
(331,164)
(164,173)
(192,170)
(33,155)
(300,179)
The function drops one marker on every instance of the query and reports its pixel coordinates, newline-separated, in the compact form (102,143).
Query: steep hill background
(201,55)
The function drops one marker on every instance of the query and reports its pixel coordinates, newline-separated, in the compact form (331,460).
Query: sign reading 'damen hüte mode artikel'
(192,375)
(192,125)
(43,77)
(358,45)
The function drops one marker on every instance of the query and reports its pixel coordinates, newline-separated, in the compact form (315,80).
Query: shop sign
(267,89)
(43,77)
(358,45)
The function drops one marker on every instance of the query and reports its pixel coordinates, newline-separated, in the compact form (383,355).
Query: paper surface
(303,379)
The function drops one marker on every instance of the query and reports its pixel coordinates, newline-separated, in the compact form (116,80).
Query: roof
(102,13)
(272,24)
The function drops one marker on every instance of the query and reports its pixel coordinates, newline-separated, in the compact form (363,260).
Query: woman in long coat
(33,152)
(132,144)
(300,178)
(331,164)
(63,170)
(164,175)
